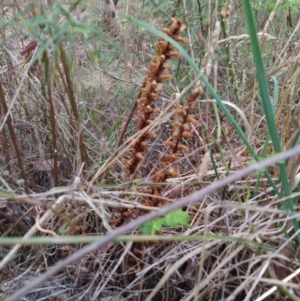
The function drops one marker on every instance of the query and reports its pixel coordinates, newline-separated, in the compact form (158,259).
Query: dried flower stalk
(184,116)
(157,73)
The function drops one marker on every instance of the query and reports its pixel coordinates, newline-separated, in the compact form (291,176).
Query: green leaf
(146,228)
(176,217)
(156,225)
(172,219)
(151,227)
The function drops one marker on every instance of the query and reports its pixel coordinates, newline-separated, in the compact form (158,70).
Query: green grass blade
(267,106)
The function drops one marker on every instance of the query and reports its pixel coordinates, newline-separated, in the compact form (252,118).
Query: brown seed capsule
(173,54)
(167,158)
(127,162)
(180,111)
(187,135)
(162,45)
(167,31)
(139,155)
(142,101)
(177,123)
(164,77)
(145,91)
(173,173)
(159,88)
(169,144)
(144,145)
(183,147)
(190,118)
(150,134)
(155,110)
(185,127)
(153,84)
(148,109)
(133,143)
(162,58)
(176,135)
(163,165)
(153,96)
(181,40)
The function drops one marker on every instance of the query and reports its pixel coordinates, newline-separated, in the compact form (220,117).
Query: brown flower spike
(157,73)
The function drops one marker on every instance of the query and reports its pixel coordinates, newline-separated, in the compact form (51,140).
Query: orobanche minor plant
(158,72)
(176,145)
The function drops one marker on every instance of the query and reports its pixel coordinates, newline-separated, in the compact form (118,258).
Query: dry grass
(74,164)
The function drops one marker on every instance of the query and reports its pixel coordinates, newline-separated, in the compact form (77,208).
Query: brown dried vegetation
(60,118)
